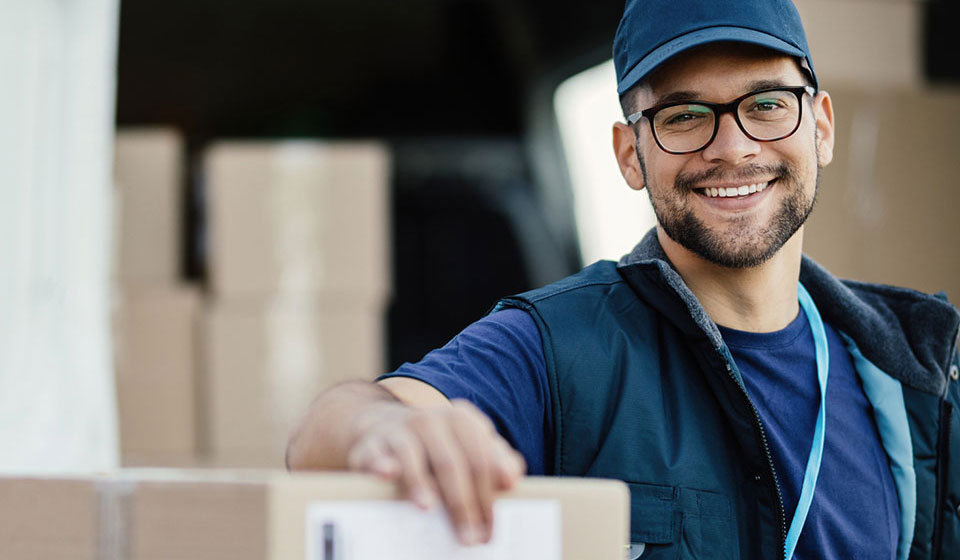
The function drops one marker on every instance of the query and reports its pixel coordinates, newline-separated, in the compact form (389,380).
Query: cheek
(801,155)
(660,168)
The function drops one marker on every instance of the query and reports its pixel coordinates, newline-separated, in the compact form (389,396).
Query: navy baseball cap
(652,31)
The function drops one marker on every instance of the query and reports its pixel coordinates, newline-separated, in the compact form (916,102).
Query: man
(756,406)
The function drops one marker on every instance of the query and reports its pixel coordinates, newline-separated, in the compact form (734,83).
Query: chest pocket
(681,523)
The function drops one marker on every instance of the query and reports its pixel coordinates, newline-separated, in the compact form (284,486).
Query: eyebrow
(690,95)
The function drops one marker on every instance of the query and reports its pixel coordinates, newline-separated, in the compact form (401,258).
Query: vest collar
(908,334)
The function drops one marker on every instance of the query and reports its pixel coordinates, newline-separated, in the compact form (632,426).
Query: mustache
(746,174)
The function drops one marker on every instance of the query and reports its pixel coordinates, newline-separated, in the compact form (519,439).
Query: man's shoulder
(600,274)
(857,297)
(906,333)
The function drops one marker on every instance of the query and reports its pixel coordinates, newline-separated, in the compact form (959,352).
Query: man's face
(734,231)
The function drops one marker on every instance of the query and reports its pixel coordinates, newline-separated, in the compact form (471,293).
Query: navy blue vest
(644,390)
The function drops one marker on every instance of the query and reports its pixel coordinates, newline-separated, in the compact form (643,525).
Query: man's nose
(731,144)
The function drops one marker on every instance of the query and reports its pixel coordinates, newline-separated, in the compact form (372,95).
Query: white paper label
(374,530)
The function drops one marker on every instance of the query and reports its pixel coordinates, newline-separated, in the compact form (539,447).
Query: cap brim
(702,37)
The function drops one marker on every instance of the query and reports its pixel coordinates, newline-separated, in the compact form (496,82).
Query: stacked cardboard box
(148,170)
(298,218)
(873,44)
(155,319)
(211,515)
(887,203)
(300,274)
(49,518)
(155,336)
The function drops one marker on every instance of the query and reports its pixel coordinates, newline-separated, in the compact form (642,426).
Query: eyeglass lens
(770,115)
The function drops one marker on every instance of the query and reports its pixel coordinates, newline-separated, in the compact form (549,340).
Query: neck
(757,299)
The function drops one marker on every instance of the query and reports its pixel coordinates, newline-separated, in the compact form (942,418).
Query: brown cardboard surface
(298,216)
(262,515)
(156,346)
(888,201)
(153,514)
(864,42)
(595,513)
(48,518)
(148,172)
(265,361)
(199,520)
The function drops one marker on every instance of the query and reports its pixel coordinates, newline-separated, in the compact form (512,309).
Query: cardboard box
(265,361)
(298,217)
(149,173)
(156,349)
(887,204)
(865,43)
(45,518)
(245,515)
(262,516)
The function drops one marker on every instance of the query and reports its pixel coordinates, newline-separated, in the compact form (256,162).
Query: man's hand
(406,431)
(448,453)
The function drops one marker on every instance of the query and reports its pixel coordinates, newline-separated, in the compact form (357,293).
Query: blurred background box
(149,173)
(888,205)
(865,42)
(44,518)
(156,355)
(298,216)
(265,361)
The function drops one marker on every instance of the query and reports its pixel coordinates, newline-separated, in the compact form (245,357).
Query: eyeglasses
(765,115)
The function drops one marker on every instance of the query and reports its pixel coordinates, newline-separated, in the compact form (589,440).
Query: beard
(744,243)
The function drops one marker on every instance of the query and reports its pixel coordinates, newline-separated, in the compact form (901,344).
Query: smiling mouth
(733,192)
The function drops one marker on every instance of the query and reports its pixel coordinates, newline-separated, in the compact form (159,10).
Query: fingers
(372,455)
(415,476)
(453,476)
(509,464)
(451,453)
(474,431)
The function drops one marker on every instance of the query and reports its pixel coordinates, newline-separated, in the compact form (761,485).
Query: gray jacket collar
(908,334)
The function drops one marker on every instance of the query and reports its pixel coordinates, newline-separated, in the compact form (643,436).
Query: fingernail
(423,499)
(383,466)
(469,535)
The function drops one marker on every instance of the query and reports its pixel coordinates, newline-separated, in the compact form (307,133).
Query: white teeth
(726,192)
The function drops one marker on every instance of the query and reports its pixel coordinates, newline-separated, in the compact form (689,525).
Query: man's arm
(404,430)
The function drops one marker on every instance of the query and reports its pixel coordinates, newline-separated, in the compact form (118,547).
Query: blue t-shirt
(498,364)
(855,511)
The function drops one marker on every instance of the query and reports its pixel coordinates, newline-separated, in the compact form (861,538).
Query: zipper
(943,447)
(781,514)
(946,417)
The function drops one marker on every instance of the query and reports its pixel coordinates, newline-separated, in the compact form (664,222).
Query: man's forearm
(334,420)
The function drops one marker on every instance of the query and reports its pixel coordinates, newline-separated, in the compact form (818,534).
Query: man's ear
(625,149)
(823,111)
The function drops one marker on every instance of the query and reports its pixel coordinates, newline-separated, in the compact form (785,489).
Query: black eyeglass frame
(720,109)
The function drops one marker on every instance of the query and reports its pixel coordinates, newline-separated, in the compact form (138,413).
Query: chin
(734,247)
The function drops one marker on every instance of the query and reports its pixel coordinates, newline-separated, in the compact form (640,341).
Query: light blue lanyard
(816,448)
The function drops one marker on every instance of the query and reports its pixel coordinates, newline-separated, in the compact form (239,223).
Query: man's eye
(765,105)
(682,118)
(686,117)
